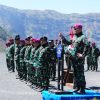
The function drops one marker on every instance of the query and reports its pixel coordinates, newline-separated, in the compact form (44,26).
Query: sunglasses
(76,28)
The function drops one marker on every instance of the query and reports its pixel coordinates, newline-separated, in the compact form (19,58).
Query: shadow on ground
(94,88)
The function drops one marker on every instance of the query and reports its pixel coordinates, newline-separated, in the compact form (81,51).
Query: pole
(59,73)
(62,67)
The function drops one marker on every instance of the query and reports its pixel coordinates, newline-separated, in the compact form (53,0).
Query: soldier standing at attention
(79,45)
(89,56)
(27,57)
(29,68)
(7,55)
(53,60)
(17,54)
(11,54)
(95,56)
(43,68)
(22,63)
(34,51)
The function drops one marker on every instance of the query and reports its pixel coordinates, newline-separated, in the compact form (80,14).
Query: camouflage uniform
(43,68)
(26,59)
(53,60)
(17,58)
(78,63)
(79,47)
(8,57)
(32,66)
(95,56)
(22,63)
(89,57)
(35,62)
(17,48)
(53,63)
(11,54)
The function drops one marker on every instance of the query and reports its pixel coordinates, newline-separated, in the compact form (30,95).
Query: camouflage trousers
(78,68)
(30,73)
(12,65)
(42,76)
(8,64)
(53,70)
(94,63)
(68,62)
(17,65)
(89,61)
(21,69)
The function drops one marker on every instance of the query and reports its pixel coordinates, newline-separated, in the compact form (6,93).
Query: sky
(63,6)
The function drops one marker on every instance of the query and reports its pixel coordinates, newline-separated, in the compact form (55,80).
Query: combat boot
(77,89)
(82,90)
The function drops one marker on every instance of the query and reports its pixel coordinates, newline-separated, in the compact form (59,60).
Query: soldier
(89,56)
(7,55)
(53,60)
(22,63)
(11,54)
(17,54)
(36,45)
(78,54)
(56,42)
(27,57)
(43,62)
(95,56)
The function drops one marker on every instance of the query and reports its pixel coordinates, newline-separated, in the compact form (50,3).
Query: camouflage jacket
(78,45)
(17,52)
(11,51)
(33,53)
(22,53)
(95,52)
(44,57)
(7,53)
(27,53)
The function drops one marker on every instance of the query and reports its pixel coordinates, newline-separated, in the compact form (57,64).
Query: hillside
(3,38)
(38,23)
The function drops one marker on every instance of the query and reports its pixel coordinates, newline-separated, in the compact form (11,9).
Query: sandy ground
(14,89)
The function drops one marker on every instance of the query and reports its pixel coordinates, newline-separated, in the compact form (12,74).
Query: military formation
(35,60)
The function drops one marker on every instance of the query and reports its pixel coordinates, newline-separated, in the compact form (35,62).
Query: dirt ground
(14,89)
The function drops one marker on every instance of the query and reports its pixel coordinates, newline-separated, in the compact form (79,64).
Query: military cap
(50,41)
(27,39)
(11,40)
(77,26)
(17,37)
(35,40)
(93,43)
(22,41)
(44,38)
(7,43)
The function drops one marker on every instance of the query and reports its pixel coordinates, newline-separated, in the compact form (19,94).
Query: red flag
(71,34)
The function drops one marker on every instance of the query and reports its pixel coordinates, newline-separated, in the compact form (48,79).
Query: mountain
(3,38)
(48,22)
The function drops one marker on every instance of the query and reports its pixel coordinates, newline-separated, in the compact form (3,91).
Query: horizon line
(48,10)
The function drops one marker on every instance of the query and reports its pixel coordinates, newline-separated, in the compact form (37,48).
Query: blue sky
(63,6)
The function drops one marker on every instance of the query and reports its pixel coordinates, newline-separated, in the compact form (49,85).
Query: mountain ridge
(38,23)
